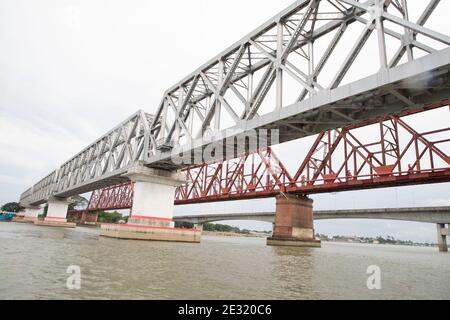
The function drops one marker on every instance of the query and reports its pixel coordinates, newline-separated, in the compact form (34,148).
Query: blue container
(7,216)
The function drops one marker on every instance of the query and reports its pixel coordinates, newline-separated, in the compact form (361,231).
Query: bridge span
(434,215)
(198,111)
(288,79)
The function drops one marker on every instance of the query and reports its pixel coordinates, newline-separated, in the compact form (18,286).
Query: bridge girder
(377,154)
(254,71)
(438,215)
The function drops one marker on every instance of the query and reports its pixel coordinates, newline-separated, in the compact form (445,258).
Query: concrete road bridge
(286,80)
(436,215)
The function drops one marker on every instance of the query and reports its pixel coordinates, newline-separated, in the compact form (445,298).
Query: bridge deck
(426,214)
(376,96)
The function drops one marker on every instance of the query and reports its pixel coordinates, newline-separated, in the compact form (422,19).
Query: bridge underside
(409,87)
(392,153)
(435,215)
(422,82)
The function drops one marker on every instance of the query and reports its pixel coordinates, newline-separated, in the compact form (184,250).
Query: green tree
(78,202)
(222,228)
(184,225)
(11,207)
(44,213)
(212,227)
(110,217)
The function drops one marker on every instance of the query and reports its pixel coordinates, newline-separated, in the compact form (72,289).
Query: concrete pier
(84,218)
(294,223)
(56,214)
(198,226)
(442,233)
(152,212)
(89,218)
(30,215)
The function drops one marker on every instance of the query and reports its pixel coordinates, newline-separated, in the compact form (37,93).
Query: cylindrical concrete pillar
(198,226)
(294,222)
(442,237)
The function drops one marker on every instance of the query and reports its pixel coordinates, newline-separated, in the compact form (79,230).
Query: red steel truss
(341,159)
(112,198)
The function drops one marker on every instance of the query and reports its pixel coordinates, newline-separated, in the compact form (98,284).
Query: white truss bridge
(289,74)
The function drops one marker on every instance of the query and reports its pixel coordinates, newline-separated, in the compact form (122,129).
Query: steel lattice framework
(341,159)
(290,74)
(291,46)
(101,164)
(393,154)
(116,197)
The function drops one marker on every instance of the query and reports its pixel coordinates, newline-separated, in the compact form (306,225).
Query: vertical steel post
(279,71)
(379,9)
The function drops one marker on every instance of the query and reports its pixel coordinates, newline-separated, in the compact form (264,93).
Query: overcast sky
(72,70)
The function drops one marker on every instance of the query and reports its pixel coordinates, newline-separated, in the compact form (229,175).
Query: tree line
(12,207)
(213,227)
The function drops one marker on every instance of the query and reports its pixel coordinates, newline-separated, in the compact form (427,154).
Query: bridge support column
(153,205)
(294,223)
(31,214)
(89,218)
(442,237)
(198,226)
(56,214)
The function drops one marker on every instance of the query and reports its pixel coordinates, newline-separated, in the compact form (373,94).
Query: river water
(34,262)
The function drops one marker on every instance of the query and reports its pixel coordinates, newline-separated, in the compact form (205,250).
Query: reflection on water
(34,261)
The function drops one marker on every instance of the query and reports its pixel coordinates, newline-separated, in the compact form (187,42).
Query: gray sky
(72,70)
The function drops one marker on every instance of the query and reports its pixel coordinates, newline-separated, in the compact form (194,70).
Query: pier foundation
(152,212)
(56,214)
(294,223)
(198,226)
(442,233)
(89,218)
(31,214)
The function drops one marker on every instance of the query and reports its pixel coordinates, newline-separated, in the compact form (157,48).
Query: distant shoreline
(263,235)
(234,234)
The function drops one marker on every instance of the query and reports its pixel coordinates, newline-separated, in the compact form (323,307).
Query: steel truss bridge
(394,154)
(290,74)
